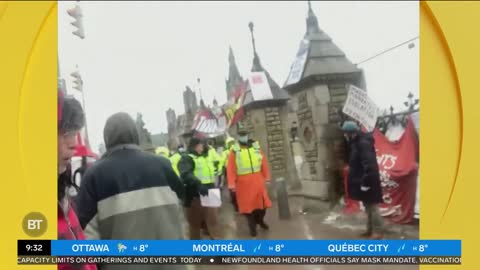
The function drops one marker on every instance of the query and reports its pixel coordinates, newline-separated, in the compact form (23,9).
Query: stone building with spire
(266,120)
(318,83)
(190,100)
(234,77)
(171,128)
(180,127)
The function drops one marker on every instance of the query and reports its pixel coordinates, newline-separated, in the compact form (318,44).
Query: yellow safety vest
(204,169)
(162,151)
(248,160)
(224,161)
(175,159)
(212,154)
(226,152)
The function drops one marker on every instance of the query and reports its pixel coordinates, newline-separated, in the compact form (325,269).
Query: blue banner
(257,248)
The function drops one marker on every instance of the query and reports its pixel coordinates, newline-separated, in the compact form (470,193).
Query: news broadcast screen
(241,134)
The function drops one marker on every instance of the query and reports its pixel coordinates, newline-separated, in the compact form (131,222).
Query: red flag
(82,148)
(238,96)
(238,116)
(398,173)
(239,91)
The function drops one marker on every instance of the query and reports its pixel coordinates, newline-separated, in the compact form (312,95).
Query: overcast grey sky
(138,56)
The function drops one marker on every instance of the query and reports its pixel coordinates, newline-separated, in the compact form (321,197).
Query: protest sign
(360,107)
(259,85)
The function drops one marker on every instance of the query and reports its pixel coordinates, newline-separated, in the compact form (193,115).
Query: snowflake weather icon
(121,247)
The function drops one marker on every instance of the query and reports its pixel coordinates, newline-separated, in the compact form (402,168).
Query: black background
(22,250)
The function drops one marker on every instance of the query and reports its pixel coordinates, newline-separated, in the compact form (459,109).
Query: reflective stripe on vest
(248,160)
(204,169)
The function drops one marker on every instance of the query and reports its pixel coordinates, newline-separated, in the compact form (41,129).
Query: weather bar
(104,248)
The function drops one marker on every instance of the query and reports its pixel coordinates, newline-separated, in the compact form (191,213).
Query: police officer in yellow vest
(213,156)
(229,143)
(198,174)
(162,151)
(247,173)
(175,158)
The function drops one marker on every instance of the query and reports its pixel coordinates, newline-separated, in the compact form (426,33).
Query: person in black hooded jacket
(129,193)
(195,212)
(363,181)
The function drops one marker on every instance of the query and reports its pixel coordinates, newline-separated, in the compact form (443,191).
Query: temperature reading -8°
(142,248)
(422,248)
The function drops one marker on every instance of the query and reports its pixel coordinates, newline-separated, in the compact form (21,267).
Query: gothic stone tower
(319,92)
(267,122)
(171,128)
(234,77)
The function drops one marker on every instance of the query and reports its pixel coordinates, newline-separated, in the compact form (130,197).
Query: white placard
(259,85)
(360,107)
(298,65)
(213,199)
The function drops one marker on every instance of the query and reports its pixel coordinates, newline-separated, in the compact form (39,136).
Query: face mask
(243,139)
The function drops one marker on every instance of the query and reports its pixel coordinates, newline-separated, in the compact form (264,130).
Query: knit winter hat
(350,126)
(194,142)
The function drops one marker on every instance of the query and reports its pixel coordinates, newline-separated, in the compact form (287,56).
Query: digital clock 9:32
(34,248)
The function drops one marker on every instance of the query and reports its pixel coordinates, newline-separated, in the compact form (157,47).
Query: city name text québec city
(358,248)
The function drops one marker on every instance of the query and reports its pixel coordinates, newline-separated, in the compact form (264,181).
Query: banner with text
(398,174)
(243,260)
(296,70)
(360,107)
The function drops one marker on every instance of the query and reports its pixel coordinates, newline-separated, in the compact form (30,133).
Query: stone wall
(270,127)
(275,140)
(291,176)
(306,131)
(318,110)
(318,117)
(338,96)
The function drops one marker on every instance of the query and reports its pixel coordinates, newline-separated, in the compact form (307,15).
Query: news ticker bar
(202,260)
(240,248)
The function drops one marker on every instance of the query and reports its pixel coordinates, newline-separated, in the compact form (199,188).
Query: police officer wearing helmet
(198,174)
(247,173)
(175,158)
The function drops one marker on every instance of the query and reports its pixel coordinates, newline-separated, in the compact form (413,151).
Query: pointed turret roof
(190,100)
(234,77)
(257,66)
(312,22)
(324,57)
(277,92)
